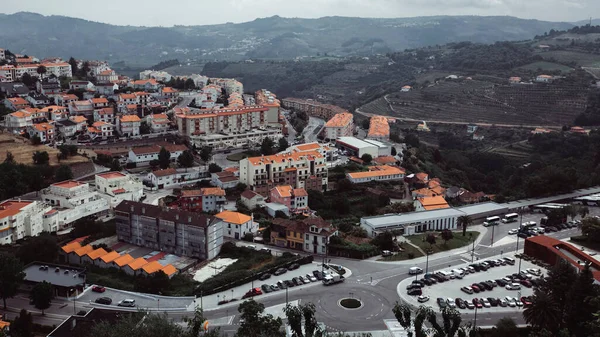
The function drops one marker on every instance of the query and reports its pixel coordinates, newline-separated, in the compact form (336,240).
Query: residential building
(106,88)
(172,231)
(107,76)
(81,85)
(18,120)
(16,103)
(74,200)
(141,156)
(430,203)
(170,177)
(312,107)
(544,79)
(225,179)
(14,89)
(101,130)
(158,122)
(406,88)
(66,99)
(379,128)
(252,199)
(19,219)
(209,199)
(45,131)
(81,122)
(169,92)
(514,80)
(295,199)
(318,234)
(105,115)
(99,103)
(162,76)
(340,125)
(117,186)
(324,150)
(55,112)
(377,173)
(134,267)
(236,225)
(93,256)
(223,128)
(48,86)
(66,127)
(37,100)
(149,84)
(11,73)
(81,108)
(126,99)
(311,235)
(129,125)
(306,170)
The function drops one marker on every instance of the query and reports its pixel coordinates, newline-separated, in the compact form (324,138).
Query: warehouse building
(358,147)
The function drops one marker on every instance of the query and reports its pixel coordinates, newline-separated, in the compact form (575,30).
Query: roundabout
(350,303)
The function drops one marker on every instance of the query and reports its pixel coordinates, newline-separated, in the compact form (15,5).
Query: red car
(252,293)
(98,289)
(475,288)
(526,301)
(477,303)
(526,283)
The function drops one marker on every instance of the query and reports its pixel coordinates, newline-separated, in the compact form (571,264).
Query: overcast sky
(198,12)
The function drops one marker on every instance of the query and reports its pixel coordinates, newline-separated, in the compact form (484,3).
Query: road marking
(465,260)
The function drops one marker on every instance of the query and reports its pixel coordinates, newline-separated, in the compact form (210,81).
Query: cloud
(199,12)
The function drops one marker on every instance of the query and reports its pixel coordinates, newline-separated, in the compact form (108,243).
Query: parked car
(423,299)
(127,303)
(475,288)
(280,271)
(264,276)
(493,301)
(413,286)
(98,289)
(469,305)
(461,303)
(104,300)
(289,283)
(441,302)
(293,266)
(502,302)
(451,303)
(526,301)
(252,292)
(500,282)
(467,290)
(485,302)
(310,278)
(297,281)
(513,231)
(318,274)
(282,284)
(513,286)
(274,287)
(266,288)
(526,283)
(477,303)
(534,271)
(415,291)
(510,301)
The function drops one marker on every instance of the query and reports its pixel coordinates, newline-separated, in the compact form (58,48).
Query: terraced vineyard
(485,103)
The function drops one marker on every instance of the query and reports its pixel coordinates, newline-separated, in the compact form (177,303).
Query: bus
(528,225)
(491,221)
(512,217)
(545,208)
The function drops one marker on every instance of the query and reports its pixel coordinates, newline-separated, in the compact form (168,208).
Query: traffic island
(350,303)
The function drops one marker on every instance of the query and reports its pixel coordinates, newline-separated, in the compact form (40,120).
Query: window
(307,237)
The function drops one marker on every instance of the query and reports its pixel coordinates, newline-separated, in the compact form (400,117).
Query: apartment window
(307,237)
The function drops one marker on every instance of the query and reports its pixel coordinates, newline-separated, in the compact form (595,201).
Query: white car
(311,278)
(486,303)
(510,301)
(513,231)
(513,286)
(451,302)
(423,298)
(534,271)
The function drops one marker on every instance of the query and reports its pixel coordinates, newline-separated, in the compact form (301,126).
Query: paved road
(312,129)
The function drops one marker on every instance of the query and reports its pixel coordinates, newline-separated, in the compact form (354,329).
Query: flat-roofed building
(359,147)
(377,173)
(209,199)
(117,186)
(340,125)
(73,200)
(20,218)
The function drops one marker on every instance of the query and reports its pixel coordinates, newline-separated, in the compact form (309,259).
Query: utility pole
(427,263)
(473,249)
(475,322)
(493,227)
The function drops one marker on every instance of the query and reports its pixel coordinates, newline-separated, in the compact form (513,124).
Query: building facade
(340,125)
(295,199)
(236,225)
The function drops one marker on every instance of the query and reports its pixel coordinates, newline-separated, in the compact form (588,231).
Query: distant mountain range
(268,38)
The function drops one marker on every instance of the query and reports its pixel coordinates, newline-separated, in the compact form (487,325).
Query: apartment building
(107,76)
(209,199)
(268,100)
(379,128)
(16,103)
(81,85)
(19,219)
(65,100)
(143,155)
(149,84)
(18,120)
(222,128)
(306,170)
(340,125)
(12,73)
(81,108)
(377,173)
(172,231)
(45,131)
(158,122)
(117,186)
(73,200)
(295,199)
(236,225)
(311,235)
(105,115)
(129,125)
(312,107)
(169,177)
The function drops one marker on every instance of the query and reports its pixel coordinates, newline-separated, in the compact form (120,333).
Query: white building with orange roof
(99,103)
(430,203)
(81,122)
(16,103)
(81,108)
(306,170)
(19,219)
(295,199)
(45,131)
(100,129)
(149,84)
(142,97)
(65,99)
(18,120)
(129,125)
(158,122)
(74,200)
(126,99)
(379,128)
(143,155)
(55,112)
(117,186)
(544,79)
(340,125)
(377,173)
(236,225)
(406,88)
(104,115)
(107,76)
(106,88)
(81,85)
(269,100)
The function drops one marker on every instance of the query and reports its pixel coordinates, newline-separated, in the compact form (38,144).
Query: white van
(458,273)
(448,274)
(414,270)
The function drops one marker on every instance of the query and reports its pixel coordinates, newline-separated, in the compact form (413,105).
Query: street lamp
(473,249)
(427,262)
(475,321)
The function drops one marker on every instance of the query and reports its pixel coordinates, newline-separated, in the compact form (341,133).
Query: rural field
(23,151)
(546,66)
(582,59)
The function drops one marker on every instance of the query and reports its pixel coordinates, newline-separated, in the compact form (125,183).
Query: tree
(266,147)
(464,221)
(543,312)
(590,228)
(447,235)
(164,158)
(36,140)
(283,144)
(41,70)
(365,124)
(205,153)
(394,152)
(42,248)
(115,165)
(11,276)
(154,163)
(10,158)
(505,327)
(22,326)
(584,211)
(74,67)
(186,159)
(42,295)
(189,84)
(306,312)
(384,241)
(255,323)
(430,238)
(412,140)
(41,158)
(367,158)
(28,80)
(450,326)
(214,168)
(145,128)
(572,210)
(196,323)
(63,172)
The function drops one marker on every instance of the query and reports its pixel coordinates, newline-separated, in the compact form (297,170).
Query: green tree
(256,324)
(367,158)
(36,140)
(63,172)
(195,325)
(365,124)
(590,228)
(582,302)
(205,153)
(11,276)
(42,295)
(283,144)
(464,221)
(186,159)
(10,158)
(505,327)
(384,241)
(145,128)
(28,80)
(22,326)
(266,147)
(214,168)
(430,238)
(303,312)
(115,165)
(394,152)
(164,158)
(41,70)
(41,158)
(73,63)
(447,236)
(412,140)
(584,211)
(42,248)
(543,313)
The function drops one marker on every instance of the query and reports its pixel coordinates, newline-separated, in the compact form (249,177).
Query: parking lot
(452,288)
(142,301)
